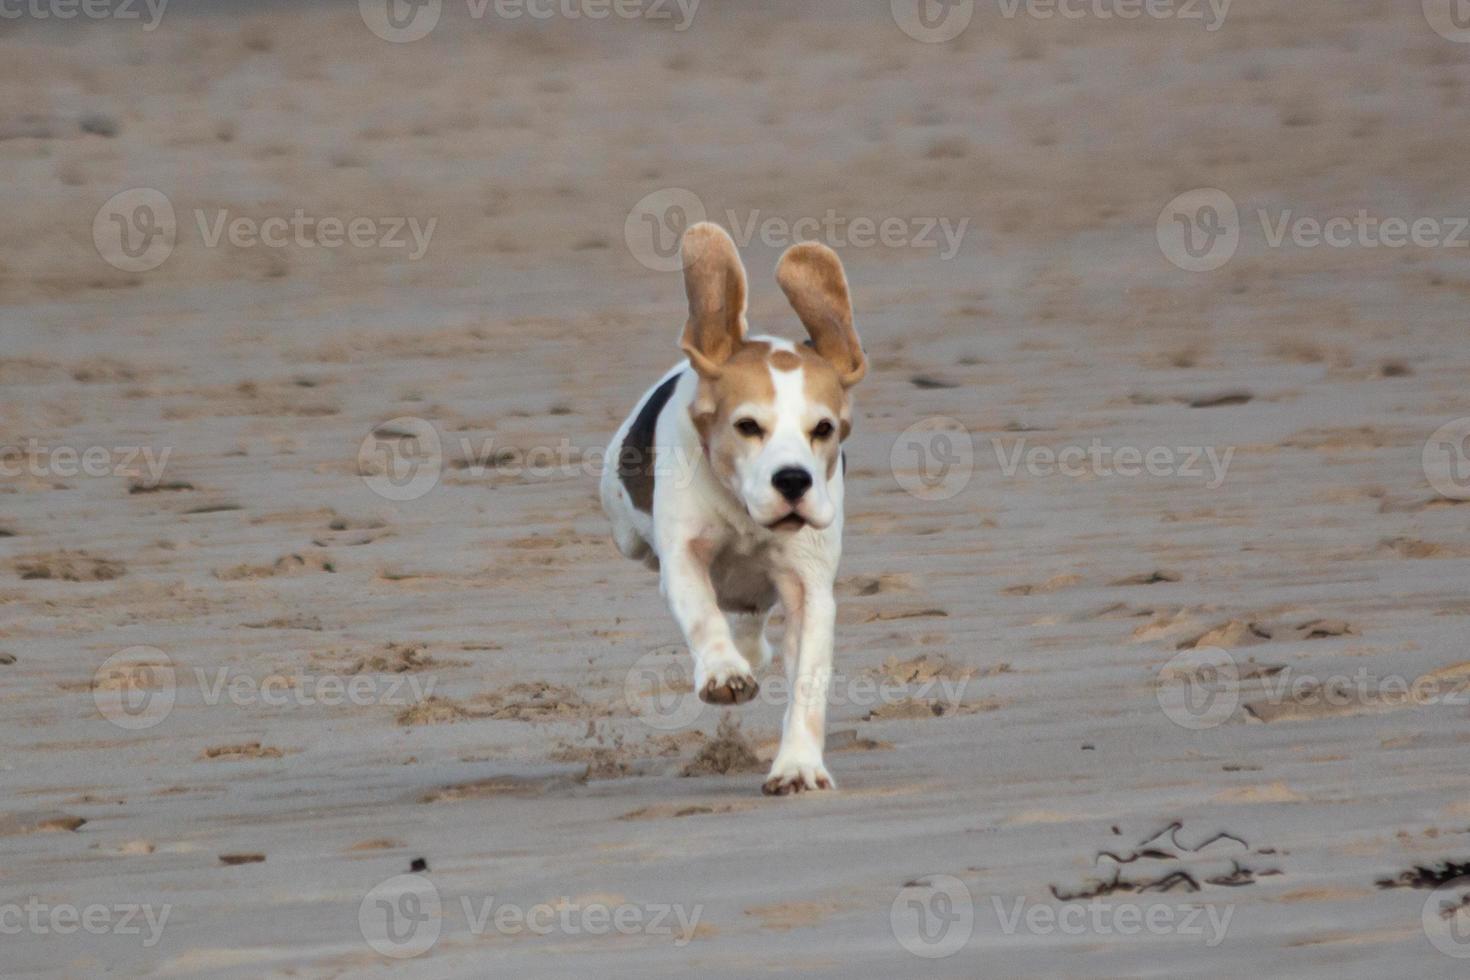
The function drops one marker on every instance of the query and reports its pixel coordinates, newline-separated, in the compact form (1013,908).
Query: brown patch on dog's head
(785,360)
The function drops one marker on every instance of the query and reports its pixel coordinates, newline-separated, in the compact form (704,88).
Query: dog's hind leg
(749,632)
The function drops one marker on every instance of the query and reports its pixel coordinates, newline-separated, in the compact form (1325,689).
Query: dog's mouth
(791,522)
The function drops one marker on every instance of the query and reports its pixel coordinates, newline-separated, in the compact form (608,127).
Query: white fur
(691,505)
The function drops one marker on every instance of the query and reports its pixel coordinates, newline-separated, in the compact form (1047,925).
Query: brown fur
(714,281)
(743,378)
(734,371)
(785,360)
(811,276)
(824,387)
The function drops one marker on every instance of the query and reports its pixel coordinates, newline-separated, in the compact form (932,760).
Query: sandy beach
(316,657)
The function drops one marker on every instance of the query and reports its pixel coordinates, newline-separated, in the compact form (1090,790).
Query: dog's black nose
(792,482)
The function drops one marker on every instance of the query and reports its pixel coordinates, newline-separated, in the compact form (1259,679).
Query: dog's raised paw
(788,780)
(735,689)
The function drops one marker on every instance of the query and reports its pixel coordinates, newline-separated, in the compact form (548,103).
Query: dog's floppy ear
(715,282)
(811,276)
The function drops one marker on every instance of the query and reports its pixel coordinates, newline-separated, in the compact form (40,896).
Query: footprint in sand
(293,564)
(69,566)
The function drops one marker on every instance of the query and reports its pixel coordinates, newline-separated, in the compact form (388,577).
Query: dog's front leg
(721,674)
(811,615)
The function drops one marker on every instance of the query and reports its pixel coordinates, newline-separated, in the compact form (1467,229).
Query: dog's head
(771,416)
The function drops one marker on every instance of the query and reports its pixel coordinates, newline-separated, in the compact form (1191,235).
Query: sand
(470,688)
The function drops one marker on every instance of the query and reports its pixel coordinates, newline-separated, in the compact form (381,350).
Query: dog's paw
(786,779)
(735,686)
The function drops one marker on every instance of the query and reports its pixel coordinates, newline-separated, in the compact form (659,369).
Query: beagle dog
(728,481)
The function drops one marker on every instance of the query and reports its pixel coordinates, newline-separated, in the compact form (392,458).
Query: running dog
(728,480)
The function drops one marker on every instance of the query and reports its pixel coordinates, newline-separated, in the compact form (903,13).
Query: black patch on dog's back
(636,456)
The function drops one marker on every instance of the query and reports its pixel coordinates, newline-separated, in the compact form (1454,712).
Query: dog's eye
(822,431)
(749,427)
